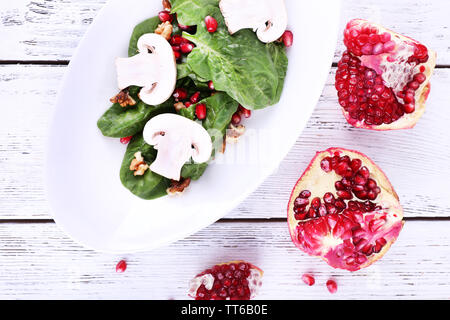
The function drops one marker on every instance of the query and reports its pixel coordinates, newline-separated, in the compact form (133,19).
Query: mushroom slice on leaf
(267,17)
(177,140)
(153,68)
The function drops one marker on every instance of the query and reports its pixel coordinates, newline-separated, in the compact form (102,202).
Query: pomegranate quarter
(344,210)
(383,79)
(235,280)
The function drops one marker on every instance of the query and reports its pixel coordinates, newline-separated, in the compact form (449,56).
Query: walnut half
(123,98)
(165,29)
(234,133)
(178,187)
(138,165)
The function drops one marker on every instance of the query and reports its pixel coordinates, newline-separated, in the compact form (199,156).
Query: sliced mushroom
(153,68)
(267,17)
(177,139)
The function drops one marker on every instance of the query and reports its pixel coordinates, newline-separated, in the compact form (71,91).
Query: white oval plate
(86,196)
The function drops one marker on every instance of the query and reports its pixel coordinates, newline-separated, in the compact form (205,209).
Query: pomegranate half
(235,280)
(344,210)
(383,79)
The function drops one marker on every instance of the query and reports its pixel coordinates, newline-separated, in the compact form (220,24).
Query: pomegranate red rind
(344,210)
(383,78)
(235,280)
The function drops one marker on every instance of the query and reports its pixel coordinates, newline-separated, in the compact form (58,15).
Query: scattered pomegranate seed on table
(332,286)
(308,279)
(121,266)
(211,24)
(288,38)
(125,140)
(200,111)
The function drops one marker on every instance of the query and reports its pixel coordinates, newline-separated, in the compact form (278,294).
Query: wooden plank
(38,261)
(415,160)
(51,30)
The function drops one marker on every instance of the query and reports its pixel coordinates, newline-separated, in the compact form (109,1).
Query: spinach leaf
(190,12)
(248,70)
(119,122)
(150,185)
(147,26)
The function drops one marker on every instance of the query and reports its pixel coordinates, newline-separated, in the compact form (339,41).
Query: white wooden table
(37,260)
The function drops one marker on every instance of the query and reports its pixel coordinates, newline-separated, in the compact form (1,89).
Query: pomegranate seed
(305,194)
(245,112)
(288,38)
(183,27)
(308,279)
(125,140)
(180,94)
(211,85)
(177,40)
(200,111)
(236,118)
(186,47)
(121,266)
(211,24)
(195,97)
(176,54)
(188,104)
(332,286)
(164,16)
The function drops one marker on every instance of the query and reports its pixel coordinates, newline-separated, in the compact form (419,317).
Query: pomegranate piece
(121,266)
(332,286)
(235,280)
(211,24)
(383,79)
(344,210)
(200,111)
(308,279)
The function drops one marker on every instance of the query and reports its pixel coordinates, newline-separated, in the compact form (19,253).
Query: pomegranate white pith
(235,280)
(344,210)
(383,79)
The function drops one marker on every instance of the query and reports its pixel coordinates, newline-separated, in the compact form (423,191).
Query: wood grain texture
(415,160)
(51,30)
(39,261)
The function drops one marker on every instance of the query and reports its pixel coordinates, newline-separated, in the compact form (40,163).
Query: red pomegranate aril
(165,16)
(125,140)
(236,118)
(177,40)
(245,112)
(288,38)
(176,54)
(195,97)
(180,94)
(121,266)
(305,194)
(211,24)
(186,47)
(188,104)
(332,286)
(200,111)
(308,279)
(211,85)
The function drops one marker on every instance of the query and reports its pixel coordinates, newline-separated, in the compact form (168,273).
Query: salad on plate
(192,75)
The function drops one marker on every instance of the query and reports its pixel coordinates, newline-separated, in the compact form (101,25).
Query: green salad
(219,76)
